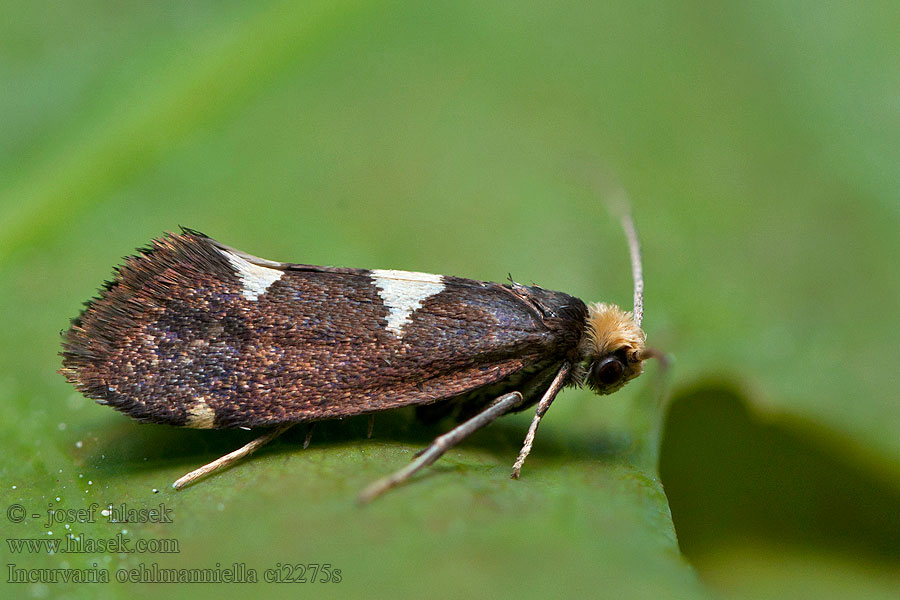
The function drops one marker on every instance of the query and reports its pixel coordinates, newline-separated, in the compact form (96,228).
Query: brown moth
(194,333)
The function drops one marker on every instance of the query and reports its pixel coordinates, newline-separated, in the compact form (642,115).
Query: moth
(193,333)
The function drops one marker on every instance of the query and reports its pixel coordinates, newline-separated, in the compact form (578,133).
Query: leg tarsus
(231,457)
(308,438)
(441,444)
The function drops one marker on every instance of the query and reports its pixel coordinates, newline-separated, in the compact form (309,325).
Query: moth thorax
(612,348)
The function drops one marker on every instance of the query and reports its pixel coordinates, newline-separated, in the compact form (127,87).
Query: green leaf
(758,147)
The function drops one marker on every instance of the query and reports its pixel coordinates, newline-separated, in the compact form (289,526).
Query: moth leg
(371,425)
(441,444)
(231,457)
(542,407)
(308,438)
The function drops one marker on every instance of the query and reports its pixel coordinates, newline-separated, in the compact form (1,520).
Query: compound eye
(609,370)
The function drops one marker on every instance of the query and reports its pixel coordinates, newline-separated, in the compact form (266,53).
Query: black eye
(609,370)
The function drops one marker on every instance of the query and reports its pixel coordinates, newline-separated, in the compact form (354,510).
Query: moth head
(612,349)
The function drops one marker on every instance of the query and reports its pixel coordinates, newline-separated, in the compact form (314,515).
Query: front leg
(557,384)
(441,444)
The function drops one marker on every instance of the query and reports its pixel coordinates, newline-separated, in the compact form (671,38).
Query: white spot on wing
(403,292)
(256,279)
(200,415)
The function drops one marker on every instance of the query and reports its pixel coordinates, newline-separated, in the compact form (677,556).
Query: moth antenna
(637,271)
(621,206)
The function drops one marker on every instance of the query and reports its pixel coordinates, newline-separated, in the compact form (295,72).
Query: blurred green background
(759,144)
